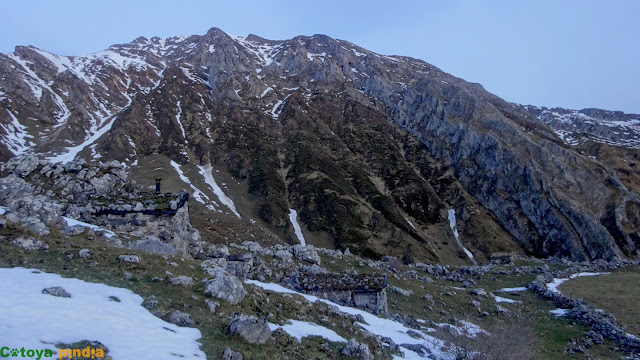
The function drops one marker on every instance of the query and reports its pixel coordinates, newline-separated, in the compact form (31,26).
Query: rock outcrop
(73,197)
(252,329)
(357,350)
(225,286)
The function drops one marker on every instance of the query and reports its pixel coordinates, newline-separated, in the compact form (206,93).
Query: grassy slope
(104,268)
(552,334)
(617,293)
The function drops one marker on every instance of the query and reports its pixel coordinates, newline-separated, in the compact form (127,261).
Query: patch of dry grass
(617,293)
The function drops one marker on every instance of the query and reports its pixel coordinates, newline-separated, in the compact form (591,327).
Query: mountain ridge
(267,114)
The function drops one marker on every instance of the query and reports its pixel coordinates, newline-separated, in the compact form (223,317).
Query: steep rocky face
(371,150)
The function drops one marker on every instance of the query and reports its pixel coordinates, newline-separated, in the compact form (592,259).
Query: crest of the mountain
(316,140)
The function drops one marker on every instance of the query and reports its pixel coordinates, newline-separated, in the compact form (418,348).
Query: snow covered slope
(575,127)
(127,329)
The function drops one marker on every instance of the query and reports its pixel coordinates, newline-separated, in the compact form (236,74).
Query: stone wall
(598,320)
(365,291)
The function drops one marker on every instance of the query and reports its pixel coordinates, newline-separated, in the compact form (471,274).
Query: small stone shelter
(365,291)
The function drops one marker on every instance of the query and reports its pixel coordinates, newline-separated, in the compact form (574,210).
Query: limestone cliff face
(371,150)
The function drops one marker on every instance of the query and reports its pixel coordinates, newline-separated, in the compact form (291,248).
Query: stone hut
(365,291)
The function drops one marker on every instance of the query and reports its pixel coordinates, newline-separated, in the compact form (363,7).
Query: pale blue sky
(569,53)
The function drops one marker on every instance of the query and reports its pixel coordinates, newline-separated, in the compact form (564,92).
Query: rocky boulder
(283,255)
(181,319)
(225,286)
(57,291)
(26,164)
(186,238)
(29,244)
(134,259)
(181,280)
(306,253)
(84,254)
(357,350)
(252,329)
(229,354)
(212,305)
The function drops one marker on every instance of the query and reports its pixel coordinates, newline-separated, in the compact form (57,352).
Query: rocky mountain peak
(370,151)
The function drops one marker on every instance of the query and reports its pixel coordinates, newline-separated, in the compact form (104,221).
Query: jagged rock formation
(40,195)
(370,150)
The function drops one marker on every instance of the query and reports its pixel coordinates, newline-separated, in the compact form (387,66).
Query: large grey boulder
(225,286)
(252,329)
(181,319)
(26,165)
(306,253)
(240,264)
(218,252)
(357,350)
(12,187)
(283,255)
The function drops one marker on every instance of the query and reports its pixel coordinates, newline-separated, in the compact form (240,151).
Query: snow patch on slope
(411,224)
(197,194)
(70,153)
(300,329)
(312,56)
(207,172)
(178,115)
(505,300)
(125,327)
(452,224)
(293,217)
(575,127)
(553,285)
(265,53)
(16,136)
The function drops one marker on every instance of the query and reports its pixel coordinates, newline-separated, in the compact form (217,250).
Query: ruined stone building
(365,291)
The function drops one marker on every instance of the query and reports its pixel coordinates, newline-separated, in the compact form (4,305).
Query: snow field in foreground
(33,320)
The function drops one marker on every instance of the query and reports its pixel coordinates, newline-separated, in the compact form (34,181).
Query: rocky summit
(308,198)
(370,152)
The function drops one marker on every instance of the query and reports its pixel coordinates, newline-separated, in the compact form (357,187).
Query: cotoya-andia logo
(87,352)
